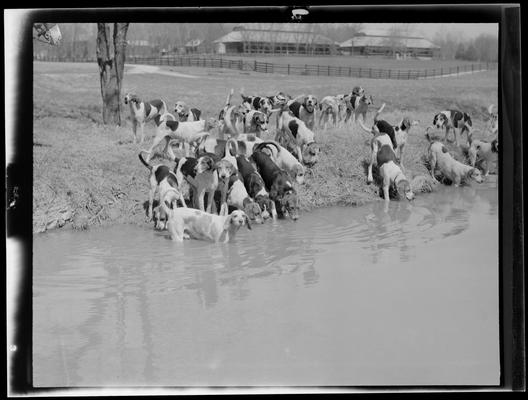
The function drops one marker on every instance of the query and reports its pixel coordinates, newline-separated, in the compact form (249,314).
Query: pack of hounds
(234,172)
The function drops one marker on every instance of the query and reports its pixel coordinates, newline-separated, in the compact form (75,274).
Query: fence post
(471,68)
(288,69)
(408,74)
(329,70)
(370,72)
(350,71)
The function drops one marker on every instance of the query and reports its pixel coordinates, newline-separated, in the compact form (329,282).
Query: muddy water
(344,296)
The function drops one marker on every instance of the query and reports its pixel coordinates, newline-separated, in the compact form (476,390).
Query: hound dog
(283,159)
(255,187)
(186,132)
(383,133)
(162,178)
(357,105)
(481,151)
(142,112)
(305,110)
(185,113)
(231,117)
(211,144)
(256,122)
(279,185)
(306,148)
(238,197)
(197,224)
(391,173)
(453,120)
(266,104)
(398,133)
(452,169)
(329,108)
(201,174)
(493,121)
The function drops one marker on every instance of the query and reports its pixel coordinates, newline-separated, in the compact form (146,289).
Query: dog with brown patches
(493,122)
(185,113)
(453,120)
(186,132)
(142,112)
(238,197)
(306,148)
(256,122)
(164,180)
(450,168)
(256,187)
(211,144)
(329,108)
(482,152)
(279,185)
(305,110)
(357,105)
(392,174)
(201,174)
(231,117)
(190,223)
(283,158)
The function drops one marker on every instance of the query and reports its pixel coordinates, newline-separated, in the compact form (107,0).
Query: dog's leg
(142,125)
(134,129)
(432,162)
(386,192)
(373,156)
(152,192)
(200,197)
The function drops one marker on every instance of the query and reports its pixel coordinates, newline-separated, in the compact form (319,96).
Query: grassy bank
(88,174)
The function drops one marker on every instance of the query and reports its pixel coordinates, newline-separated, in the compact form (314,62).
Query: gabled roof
(377,41)
(273,37)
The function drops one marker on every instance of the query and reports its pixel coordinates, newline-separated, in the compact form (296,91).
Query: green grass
(88,174)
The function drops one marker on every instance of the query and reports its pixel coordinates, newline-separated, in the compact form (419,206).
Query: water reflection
(125,306)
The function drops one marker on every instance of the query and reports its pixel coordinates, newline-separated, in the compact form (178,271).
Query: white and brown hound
(482,152)
(391,173)
(256,122)
(450,168)
(283,158)
(356,105)
(305,110)
(162,178)
(397,133)
(493,122)
(238,197)
(186,132)
(184,113)
(329,108)
(201,174)
(197,224)
(306,148)
(142,112)
(457,121)
(256,187)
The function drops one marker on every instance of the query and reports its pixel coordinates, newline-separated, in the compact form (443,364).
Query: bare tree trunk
(111,51)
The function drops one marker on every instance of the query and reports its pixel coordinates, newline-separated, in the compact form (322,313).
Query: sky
(428,30)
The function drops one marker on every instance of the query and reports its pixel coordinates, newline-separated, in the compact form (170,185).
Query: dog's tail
(234,143)
(262,145)
(146,164)
(364,127)
(229,96)
(379,112)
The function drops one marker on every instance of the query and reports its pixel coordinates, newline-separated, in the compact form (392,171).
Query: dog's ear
(246,219)
(227,222)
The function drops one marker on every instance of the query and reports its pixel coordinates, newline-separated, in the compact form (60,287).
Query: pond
(341,297)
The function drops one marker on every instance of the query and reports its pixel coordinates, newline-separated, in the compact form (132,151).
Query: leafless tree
(111,50)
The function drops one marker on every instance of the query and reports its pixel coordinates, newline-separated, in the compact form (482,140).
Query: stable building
(273,38)
(384,44)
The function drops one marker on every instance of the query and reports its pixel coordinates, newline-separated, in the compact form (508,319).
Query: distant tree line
(483,48)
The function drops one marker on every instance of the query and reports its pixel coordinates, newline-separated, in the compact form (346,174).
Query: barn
(385,44)
(272,38)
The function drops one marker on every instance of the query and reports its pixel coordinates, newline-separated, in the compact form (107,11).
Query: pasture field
(86,173)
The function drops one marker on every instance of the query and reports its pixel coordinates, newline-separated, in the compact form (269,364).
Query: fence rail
(295,69)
